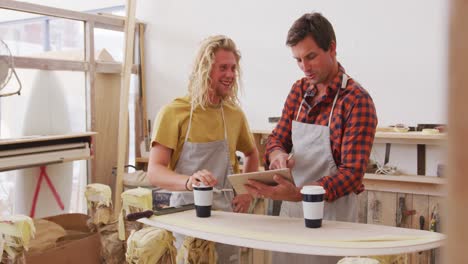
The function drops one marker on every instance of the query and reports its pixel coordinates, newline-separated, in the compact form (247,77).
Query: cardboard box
(82,248)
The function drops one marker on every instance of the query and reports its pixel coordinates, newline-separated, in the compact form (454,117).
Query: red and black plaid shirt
(352,130)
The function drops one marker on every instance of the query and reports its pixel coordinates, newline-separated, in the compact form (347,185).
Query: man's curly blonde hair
(200,81)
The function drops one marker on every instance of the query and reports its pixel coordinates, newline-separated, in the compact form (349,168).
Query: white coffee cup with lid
(312,204)
(203,199)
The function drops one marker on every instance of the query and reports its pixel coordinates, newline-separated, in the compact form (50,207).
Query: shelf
(141,160)
(424,185)
(393,137)
(18,153)
(410,138)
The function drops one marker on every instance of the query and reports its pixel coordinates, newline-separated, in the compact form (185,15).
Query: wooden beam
(144,116)
(90,91)
(458,141)
(49,64)
(68,65)
(113,67)
(124,94)
(107,102)
(62,13)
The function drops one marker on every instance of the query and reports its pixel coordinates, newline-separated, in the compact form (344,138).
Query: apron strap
(190,122)
(344,82)
(300,106)
(224,121)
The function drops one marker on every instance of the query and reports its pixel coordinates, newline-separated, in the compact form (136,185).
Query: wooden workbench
(290,235)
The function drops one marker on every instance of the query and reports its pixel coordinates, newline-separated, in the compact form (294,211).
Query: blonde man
(196,136)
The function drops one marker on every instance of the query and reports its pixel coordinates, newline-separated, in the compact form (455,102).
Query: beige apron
(313,160)
(214,157)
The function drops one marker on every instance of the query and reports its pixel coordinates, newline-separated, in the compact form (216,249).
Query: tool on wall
(434,227)
(422,221)
(402,212)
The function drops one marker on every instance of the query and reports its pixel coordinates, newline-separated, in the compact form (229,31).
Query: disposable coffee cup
(312,204)
(203,198)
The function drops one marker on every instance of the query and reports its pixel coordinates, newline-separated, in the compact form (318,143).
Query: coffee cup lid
(200,185)
(312,189)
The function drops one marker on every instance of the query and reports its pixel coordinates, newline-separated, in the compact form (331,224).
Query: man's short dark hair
(314,25)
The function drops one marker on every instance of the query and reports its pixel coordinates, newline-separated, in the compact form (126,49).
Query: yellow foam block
(139,197)
(99,193)
(149,244)
(19,226)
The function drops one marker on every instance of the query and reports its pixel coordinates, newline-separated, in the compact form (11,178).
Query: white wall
(395,49)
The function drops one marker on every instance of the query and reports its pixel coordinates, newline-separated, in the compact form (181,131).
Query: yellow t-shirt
(170,128)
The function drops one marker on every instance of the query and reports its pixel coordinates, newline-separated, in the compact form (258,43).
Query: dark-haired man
(328,123)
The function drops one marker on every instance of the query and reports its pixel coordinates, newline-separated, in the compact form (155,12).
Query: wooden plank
(407,178)
(107,98)
(457,228)
(140,132)
(90,91)
(362,210)
(68,65)
(143,98)
(124,94)
(421,206)
(37,159)
(112,67)
(49,64)
(406,184)
(58,12)
(38,138)
(394,137)
(381,208)
(410,138)
(41,149)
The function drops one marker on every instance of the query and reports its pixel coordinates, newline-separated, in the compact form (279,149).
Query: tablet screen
(238,180)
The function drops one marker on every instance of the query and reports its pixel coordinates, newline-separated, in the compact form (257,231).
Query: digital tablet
(238,180)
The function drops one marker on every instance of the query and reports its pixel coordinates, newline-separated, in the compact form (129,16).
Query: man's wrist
(298,195)
(275,152)
(187,185)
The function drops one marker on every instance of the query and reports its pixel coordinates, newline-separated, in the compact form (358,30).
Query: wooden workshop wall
(403,210)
